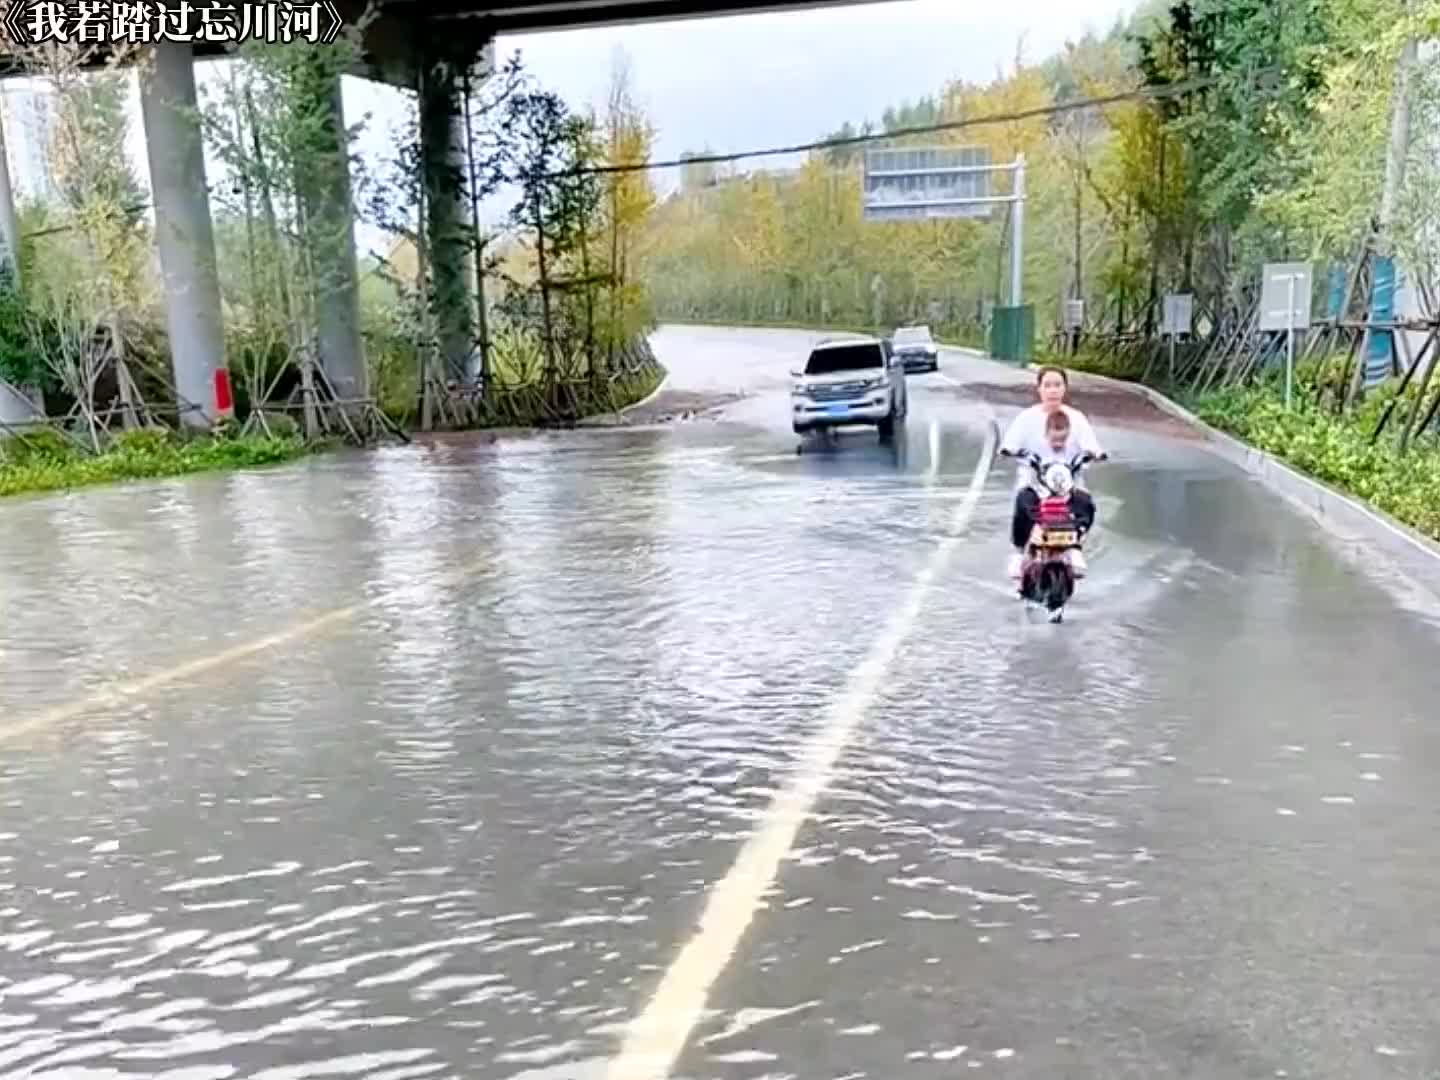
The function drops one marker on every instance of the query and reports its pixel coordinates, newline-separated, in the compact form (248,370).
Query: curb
(648,398)
(1345,517)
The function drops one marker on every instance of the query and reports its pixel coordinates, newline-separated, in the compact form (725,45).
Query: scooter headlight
(1058,479)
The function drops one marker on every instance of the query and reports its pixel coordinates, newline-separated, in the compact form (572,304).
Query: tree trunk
(1157,242)
(1124,265)
(589,292)
(272,225)
(546,324)
(617,276)
(251,257)
(482,322)
(122,373)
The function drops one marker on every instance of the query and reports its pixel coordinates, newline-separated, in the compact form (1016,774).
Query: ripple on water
(488,807)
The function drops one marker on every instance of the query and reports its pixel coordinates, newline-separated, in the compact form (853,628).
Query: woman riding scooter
(1028,435)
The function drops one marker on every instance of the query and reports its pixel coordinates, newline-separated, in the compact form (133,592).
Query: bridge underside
(400,33)
(521,16)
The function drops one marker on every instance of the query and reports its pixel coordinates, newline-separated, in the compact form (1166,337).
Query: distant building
(29,116)
(697,175)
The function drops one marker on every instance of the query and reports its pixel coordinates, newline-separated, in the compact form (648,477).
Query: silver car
(850,381)
(916,348)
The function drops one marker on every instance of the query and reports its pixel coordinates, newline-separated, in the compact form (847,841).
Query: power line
(1149,93)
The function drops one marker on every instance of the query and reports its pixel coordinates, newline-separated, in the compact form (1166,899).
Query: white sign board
(1282,282)
(1179,313)
(936,182)
(1074,314)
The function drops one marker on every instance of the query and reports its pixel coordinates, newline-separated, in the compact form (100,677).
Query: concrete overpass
(428,46)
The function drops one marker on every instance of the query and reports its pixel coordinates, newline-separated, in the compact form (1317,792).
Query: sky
(751,81)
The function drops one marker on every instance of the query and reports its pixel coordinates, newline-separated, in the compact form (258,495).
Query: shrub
(50,463)
(1335,450)
(40,445)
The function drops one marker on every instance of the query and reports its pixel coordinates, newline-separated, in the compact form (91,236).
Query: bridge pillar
(183,230)
(330,233)
(445,167)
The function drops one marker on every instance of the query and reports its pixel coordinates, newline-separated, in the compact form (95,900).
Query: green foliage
(1334,450)
(1233,130)
(46,461)
(792,246)
(1279,154)
(43,446)
(20,362)
(92,163)
(281,221)
(1127,364)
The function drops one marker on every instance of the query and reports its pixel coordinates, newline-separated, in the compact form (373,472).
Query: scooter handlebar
(1087,458)
(1033,458)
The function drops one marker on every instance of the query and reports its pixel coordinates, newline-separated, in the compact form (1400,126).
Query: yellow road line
(129,689)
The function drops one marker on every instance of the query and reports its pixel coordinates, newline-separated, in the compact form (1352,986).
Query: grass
(45,461)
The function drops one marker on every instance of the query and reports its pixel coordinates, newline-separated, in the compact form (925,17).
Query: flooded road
(427,763)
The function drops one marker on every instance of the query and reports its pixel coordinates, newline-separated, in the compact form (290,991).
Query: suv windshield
(912,335)
(862,356)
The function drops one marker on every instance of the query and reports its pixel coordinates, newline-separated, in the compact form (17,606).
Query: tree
(88,151)
(1267,139)
(629,199)
(288,174)
(548,149)
(82,320)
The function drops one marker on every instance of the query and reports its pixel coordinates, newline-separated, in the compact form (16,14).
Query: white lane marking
(934,451)
(656,1038)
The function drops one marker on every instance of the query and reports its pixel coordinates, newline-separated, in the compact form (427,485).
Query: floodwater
(423,763)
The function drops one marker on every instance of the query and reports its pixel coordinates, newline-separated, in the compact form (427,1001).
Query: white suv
(850,381)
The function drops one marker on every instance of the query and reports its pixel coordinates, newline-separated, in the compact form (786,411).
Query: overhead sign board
(928,183)
(1283,284)
(1179,313)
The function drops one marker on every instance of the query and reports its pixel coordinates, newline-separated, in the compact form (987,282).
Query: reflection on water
(1045,839)
(463,832)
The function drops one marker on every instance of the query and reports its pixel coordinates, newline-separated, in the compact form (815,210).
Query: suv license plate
(837,410)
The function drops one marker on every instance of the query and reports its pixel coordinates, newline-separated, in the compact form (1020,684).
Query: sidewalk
(1011,387)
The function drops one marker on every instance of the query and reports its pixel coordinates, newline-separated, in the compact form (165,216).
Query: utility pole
(1017,238)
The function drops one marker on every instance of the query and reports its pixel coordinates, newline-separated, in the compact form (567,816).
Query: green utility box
(1012,334)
